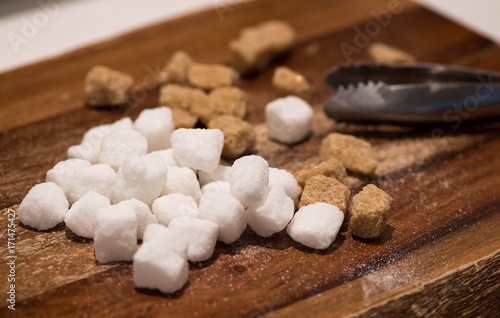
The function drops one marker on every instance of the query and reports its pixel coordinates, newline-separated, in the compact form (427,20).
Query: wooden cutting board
(438,256)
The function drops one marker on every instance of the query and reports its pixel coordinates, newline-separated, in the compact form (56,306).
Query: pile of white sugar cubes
(143,180)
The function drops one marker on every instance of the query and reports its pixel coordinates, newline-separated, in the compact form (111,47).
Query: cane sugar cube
(226,211)
(369,213)
(63,171)
(105,86)
(99,178)
(80,218)
(287,82)
(210,76)
(182,180)
(288,119)
(156,125)
(201,236)
(44,206)
(198,148)
(183,118)
(316,225)
(273,214)
(169,206)
(324,189)
(143,214)
(216,186)
(286,180)
(115,234)
(330,168)
(221,173)
(176,96)
(120,144)
(177,68)
(238,135)
(250,180)
(354,153)
(383,53)
(256,46)
(222,101)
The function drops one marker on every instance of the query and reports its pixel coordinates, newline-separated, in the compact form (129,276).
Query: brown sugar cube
(105,86)
(177,96)
(177,68)
(222,101)
(238,135)
(256,46)
(287,82)
(353,152)
(210,76)
(331,168)
(325,189)
(369,212)
(183,118)
(383,53)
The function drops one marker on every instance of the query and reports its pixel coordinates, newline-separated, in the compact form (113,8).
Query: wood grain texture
(442,232)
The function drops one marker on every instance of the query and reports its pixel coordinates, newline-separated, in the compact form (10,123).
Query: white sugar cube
(168,157)
(143,214)
(80,219)
(201,236)
(115,234)
(140,177)
(166,239)
(273,215)
(99,178)
(198,148)
(44,206)
(86,151)
(62,173)
(182,180)
(316,225)
(216,186)
(287,181)
(221,173)
(250,179)
(227,212)
(116,146)
(288,119)
(156,125)
(167,207)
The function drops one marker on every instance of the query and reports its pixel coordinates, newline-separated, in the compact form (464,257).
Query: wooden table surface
(438,256)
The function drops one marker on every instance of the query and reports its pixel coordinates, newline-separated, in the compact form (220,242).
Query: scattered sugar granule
(176,96)
(216,186)
(353,152)
(80,218)
(222,101)
(369,212)
(226,211)
(122,143)
(169,206)
(316,225)
(182,180)
(105,86)
(288,119)
(200,235)
(99,178)
(330,168)
(238,135)
(256,46)
(61,174)
(221,173)
(286,180)
(183,118)
(115,234)
(156,125)
(44,206)
(198,148)
(250,180)
(143,214)
(177,68)
(210,76)
(325,189)
(287,82)
(383,53)
(273,214)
